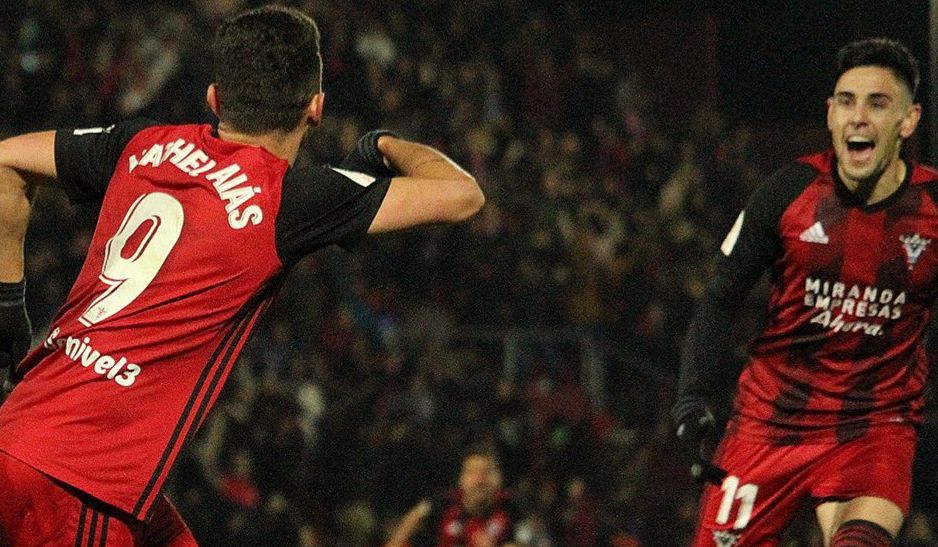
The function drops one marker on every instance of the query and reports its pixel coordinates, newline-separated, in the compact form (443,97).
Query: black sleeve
(752,245)
(357,160)
(322,206)
(85,158)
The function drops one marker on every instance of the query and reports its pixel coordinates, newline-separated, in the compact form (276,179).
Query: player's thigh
(880,511)
(33,509)
(869,478)
(829,516)
(764,487)
(113,528)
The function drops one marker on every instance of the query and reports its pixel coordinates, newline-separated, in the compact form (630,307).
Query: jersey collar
(853,201)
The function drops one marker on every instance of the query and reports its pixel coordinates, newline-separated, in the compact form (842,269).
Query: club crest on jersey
(723,538)
(914,245)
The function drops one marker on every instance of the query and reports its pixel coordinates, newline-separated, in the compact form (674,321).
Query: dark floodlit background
(615,141)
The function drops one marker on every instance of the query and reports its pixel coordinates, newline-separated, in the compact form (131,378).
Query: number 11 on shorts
(733,491)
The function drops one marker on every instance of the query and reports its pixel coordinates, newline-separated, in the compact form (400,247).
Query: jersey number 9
(128,276)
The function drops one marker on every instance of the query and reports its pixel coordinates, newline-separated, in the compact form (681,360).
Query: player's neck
(874,191)
(284,145)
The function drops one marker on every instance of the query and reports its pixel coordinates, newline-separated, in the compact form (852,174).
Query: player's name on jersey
(81,351)
(229,181)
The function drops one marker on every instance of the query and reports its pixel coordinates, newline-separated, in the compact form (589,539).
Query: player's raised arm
(24,160)
(409,525)
(32,155)
(431,189)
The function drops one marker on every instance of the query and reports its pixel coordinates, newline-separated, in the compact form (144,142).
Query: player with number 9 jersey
(185,256)
(197,227)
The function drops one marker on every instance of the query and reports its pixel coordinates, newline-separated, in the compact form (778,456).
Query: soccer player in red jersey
(826,409)
(479,513)
(197,229)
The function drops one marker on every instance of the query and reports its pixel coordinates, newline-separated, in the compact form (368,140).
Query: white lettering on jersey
(229,182)
(851,302)
(80,351)
(92,130)
(730,241)
(230,189)
(153,156)
(360,179)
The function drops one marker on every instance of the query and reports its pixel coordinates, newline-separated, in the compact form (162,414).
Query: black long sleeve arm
(752,246)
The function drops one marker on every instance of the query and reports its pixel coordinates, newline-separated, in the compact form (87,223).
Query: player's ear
(314,109)
(910,121)
(211,98)
(830,113)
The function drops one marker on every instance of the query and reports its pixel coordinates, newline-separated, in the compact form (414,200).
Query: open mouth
(860,149)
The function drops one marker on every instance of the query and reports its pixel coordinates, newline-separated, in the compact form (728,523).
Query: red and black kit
(449,525)
(828,405)
(851,293)
(193,239)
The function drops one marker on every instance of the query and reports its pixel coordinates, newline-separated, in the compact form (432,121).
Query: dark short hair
(267,68)
(884,52)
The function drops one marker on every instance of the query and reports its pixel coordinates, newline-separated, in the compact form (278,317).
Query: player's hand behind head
(15,328)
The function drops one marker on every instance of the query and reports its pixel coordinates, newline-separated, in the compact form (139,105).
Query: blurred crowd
(548,326)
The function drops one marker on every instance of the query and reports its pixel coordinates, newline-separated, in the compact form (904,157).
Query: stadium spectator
(478,513)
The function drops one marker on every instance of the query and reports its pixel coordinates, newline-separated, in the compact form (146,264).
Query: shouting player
(478,513)
(198,226)
(827,407)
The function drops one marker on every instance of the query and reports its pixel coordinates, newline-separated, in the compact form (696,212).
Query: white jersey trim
(360,179)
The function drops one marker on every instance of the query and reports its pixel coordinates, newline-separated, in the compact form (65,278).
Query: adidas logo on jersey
(815,234)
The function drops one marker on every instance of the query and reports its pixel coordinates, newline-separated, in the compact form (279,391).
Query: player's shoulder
(810,167)
(144,132)
(787,182)
(925,177)
(118,132)
(329,175)
(924,174)
(162,130)
(131,127)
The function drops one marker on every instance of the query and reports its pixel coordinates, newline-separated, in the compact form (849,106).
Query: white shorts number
(129,276)
(733,491)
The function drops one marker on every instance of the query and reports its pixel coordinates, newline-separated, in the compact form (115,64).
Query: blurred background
(616,141)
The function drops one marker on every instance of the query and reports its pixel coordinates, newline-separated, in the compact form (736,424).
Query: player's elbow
(13,185)
(466,200)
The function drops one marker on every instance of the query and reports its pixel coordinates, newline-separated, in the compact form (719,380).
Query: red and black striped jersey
(449,524)
(192,240)
(852,286)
